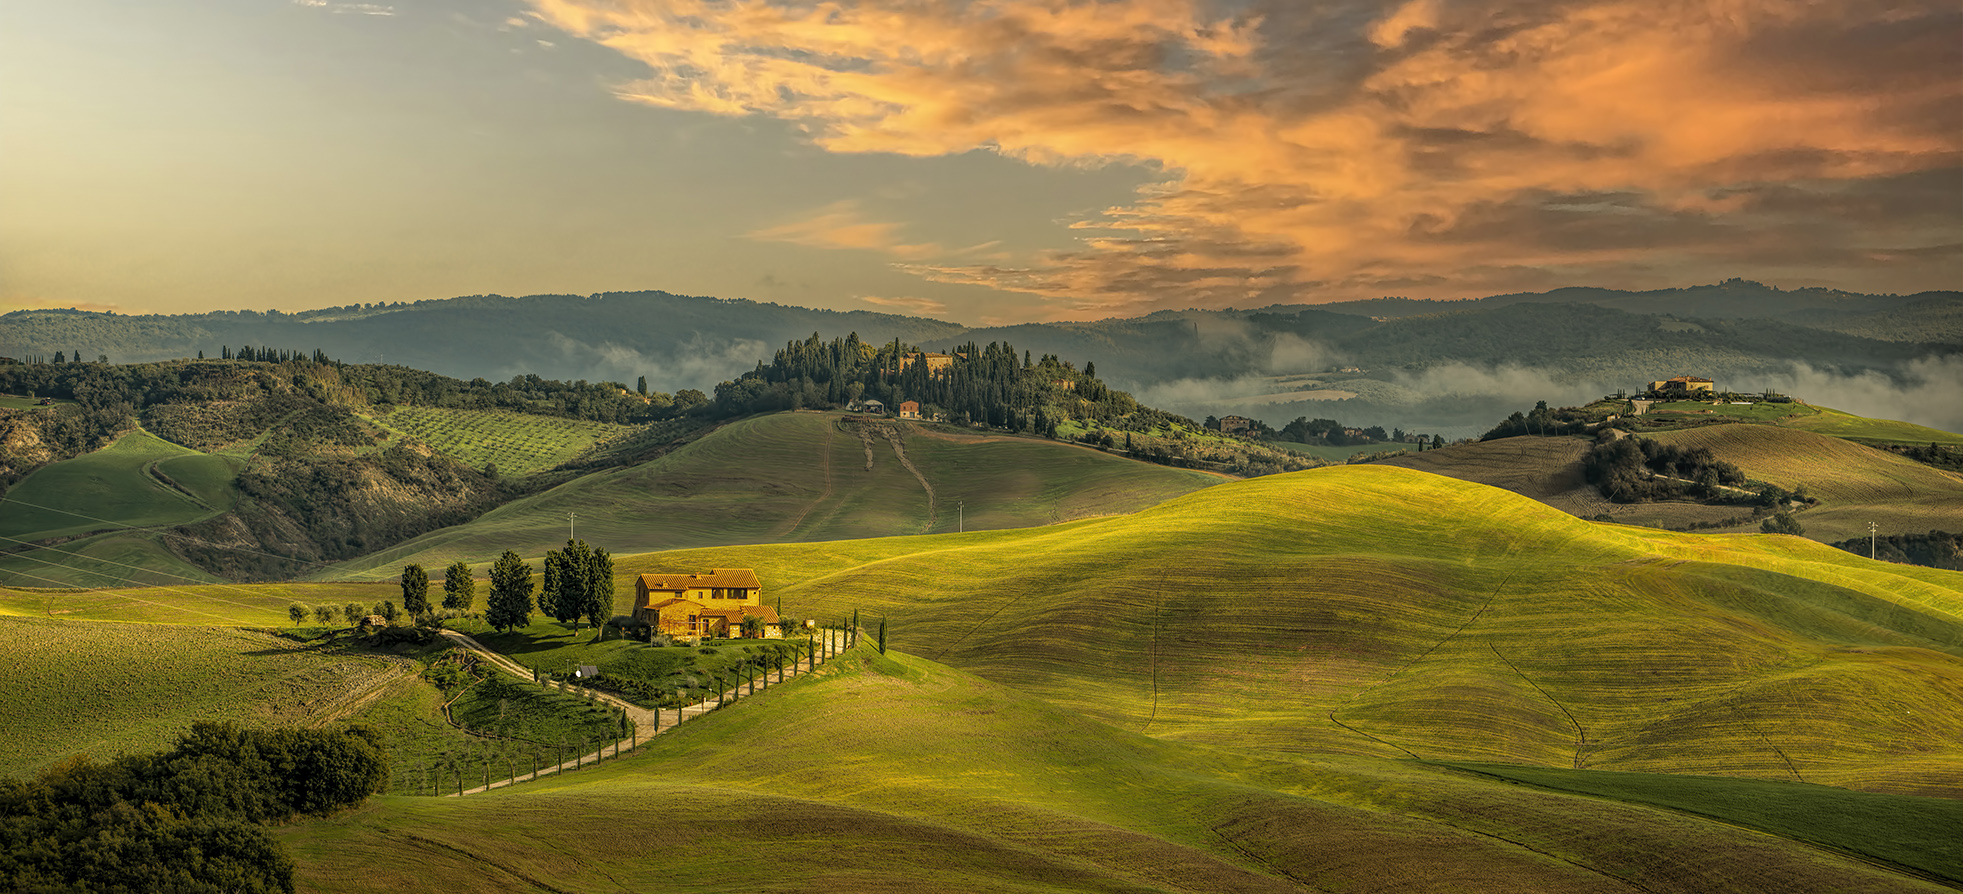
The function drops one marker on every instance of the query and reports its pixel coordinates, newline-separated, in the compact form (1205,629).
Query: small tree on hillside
(1782,523)
(415,589)
(325,613)
(459,588)
(510,604)
(297,612)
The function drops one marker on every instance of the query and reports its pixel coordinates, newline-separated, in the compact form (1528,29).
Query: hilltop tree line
(191,819)
(1936,549)
(988,385)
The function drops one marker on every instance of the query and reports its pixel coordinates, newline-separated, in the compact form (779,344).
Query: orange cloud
(839,225)
(1436,147)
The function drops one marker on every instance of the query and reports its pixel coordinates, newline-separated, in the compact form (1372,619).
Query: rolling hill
(1377,611)
(803,477)
(896,774)
(1856,484)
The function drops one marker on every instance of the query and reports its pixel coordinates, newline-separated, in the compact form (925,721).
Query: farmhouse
(712,604)
(1230,425)
(868,406)
(1683,385)
(909,409)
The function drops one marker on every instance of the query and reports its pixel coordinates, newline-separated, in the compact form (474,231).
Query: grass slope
(1802,417)
(117,486)
(892,773)
(803,477)
(222,604)
(518,443)
(1378,611)
(73,687)
(1855,484)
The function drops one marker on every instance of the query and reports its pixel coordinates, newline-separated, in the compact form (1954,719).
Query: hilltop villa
(909,409)
(713,604)
(1683,385)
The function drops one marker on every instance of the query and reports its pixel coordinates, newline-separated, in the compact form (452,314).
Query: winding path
(647,723)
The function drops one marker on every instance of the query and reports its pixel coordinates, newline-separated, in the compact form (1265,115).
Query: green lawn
(12,402)
(1805,417)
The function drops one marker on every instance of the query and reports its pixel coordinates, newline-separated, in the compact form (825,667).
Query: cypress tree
(510,605)
(415,590)
(459,588)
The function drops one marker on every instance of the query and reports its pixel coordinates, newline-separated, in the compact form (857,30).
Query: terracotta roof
(720,577)
(736,614)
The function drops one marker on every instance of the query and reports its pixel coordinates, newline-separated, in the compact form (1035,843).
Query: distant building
(936,363)
(1233,425)
(1683,385)
(909,409)
(713,604)
(869,406)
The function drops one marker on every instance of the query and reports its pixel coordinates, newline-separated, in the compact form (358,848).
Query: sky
(979,161)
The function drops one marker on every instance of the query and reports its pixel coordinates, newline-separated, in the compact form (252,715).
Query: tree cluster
(989,385)
(1544,422)
(578,584)
(1641,470)
(1936,549)
(190,819)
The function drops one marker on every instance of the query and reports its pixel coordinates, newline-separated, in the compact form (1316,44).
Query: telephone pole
(569,525)
(1872,528)
(960,517)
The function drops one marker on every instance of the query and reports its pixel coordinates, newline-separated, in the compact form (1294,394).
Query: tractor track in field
(1581,735)
(826,462)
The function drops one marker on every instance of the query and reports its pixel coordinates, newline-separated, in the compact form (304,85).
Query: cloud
(925,306)
(840,225)
(698,363)
(1351,149)
(1921,391)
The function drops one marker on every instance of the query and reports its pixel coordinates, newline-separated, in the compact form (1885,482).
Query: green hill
(1377,611)
(1855,483)
(893,773)
(72,687)
(804,477)
(128,483)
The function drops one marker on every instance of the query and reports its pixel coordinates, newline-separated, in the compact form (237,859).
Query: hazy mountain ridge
(1428,365)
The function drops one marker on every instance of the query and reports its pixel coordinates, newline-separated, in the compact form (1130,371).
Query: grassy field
(517,443)
(1907,831)
(216,603)
(1804,417)
(1302,614)
(16,402)
(75,687)
(1339,454)
(115,487)
(804,477)
(892,773)
(1855,484)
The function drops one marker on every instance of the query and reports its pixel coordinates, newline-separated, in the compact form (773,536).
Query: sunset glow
(984,161)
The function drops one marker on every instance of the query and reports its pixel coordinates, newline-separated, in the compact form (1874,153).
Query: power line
(126,581)
(197,540)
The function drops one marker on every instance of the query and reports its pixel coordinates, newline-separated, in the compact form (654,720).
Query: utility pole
(569,525)
(960,517)
(1872,529)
